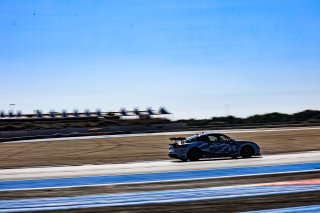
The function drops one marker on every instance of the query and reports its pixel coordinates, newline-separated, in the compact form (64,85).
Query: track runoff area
(273,183)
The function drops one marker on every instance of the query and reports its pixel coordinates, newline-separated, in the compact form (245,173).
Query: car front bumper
(173,156)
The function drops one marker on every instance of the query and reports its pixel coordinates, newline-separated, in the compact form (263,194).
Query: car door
(218,145)
(203,144)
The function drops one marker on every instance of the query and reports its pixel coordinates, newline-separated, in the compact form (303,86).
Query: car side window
(204,138)
(224,138)
(212,138)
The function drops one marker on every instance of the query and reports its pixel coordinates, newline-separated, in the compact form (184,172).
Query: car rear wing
(178,139)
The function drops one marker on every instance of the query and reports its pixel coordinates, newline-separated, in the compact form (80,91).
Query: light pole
(227,109)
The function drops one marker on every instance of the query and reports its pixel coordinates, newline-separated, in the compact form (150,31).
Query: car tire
(194,154)
(246,152)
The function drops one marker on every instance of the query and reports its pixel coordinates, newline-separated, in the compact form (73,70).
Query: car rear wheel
(247,152)
(194,154)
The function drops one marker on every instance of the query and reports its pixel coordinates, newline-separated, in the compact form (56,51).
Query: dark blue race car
(208,145)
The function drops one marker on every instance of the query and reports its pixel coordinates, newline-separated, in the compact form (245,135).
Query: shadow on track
(214,159)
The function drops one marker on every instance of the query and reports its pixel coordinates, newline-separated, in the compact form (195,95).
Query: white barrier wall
(107,129)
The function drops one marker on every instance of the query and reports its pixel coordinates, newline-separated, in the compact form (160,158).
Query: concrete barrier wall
(21,133)
(145,128)
(107,129)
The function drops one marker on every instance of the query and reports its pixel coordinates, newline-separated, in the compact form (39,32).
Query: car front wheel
(247,152)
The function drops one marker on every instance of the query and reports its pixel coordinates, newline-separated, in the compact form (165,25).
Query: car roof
(209,133)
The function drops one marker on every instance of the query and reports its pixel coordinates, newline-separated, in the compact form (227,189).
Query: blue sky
(191,56)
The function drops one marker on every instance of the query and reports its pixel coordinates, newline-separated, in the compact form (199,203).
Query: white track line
(154,166)
(153,197)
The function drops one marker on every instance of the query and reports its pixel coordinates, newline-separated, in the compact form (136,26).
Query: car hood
(244,142)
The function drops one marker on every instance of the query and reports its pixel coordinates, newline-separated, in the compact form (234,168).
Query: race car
(208,145)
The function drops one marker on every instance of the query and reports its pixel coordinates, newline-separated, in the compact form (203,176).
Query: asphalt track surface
(155,166)
(153,197)
(303,190)
(155,177)
(145,173)
(138,149)
(305,209)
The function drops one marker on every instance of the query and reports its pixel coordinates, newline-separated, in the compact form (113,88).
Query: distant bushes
(308,116)
(305,117)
